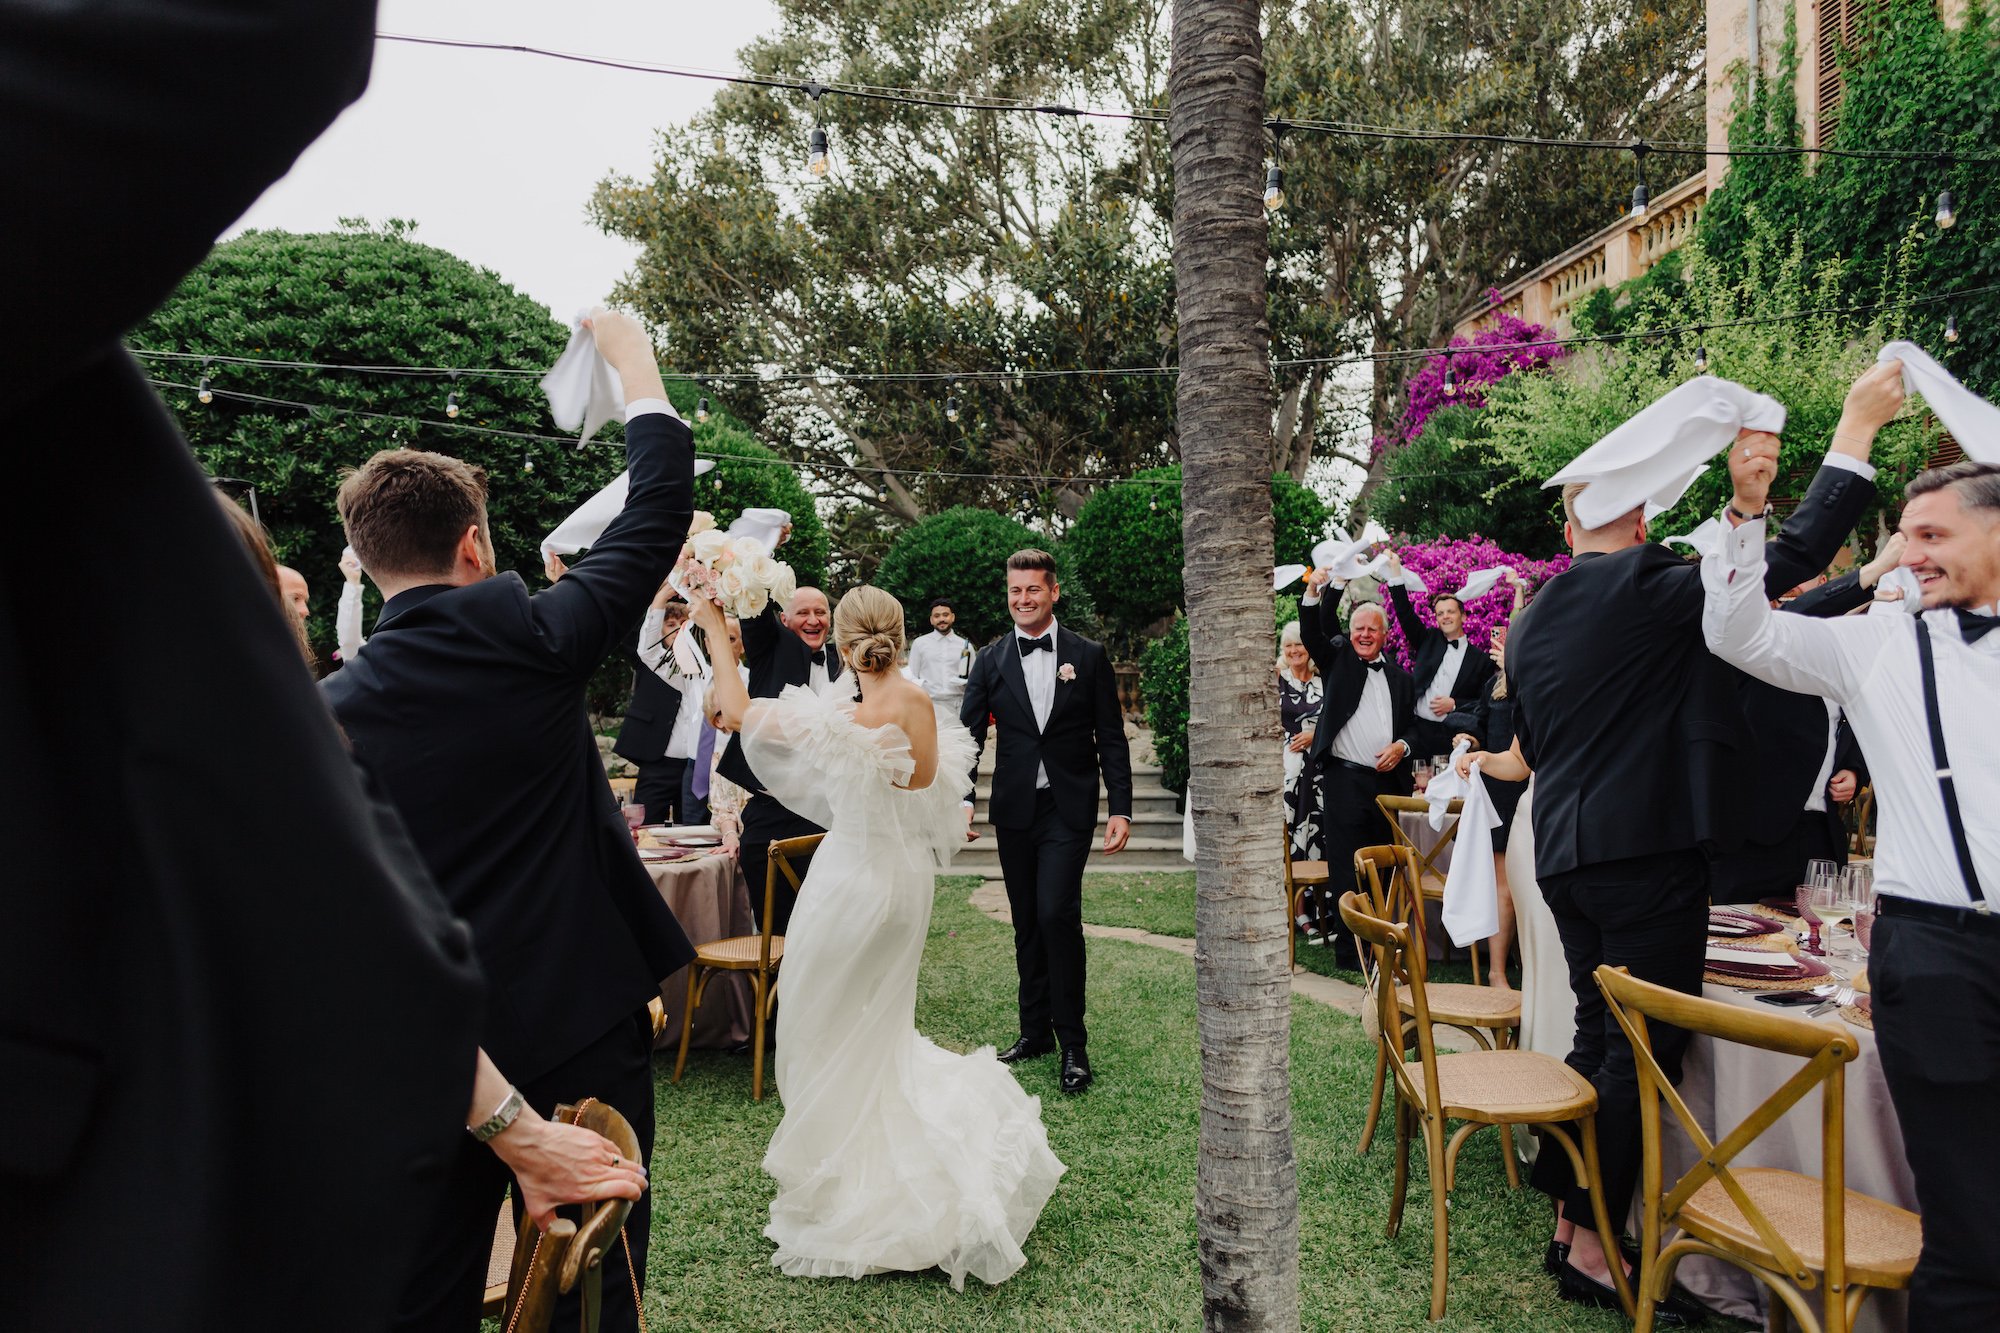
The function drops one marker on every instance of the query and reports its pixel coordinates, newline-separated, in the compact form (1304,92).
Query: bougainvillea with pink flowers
(1443,565)
(1487,357)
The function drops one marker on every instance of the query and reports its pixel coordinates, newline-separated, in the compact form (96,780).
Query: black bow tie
(1376,665)
(1045,644)
(822,657)
(1972,625)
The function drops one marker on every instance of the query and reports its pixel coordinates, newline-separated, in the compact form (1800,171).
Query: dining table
(1724,1082)
(703,887)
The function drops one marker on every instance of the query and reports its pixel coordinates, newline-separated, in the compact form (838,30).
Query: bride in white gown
(894,1155)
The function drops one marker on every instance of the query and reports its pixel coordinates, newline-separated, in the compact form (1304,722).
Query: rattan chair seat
(499,1263)
(1310,872)
(1455,1002)
(1510,1087)
(738,952)
(1882,1239)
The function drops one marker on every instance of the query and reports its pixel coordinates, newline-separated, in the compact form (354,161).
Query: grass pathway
(1115,1249)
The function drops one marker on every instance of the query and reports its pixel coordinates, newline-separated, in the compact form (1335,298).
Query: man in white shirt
(1934,752)
(941,660)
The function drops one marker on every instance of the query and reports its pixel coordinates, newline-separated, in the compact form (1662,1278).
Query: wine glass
(1422,773)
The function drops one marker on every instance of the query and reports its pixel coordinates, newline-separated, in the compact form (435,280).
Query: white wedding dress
(894,1155)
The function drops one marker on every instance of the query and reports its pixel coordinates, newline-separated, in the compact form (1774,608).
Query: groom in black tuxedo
(1055,701)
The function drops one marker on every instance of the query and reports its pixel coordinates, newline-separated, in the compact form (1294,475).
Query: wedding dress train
(894,1154)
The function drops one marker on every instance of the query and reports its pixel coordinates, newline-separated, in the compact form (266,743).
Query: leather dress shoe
(1076,1075)
(1676,1311)
(1026,1048)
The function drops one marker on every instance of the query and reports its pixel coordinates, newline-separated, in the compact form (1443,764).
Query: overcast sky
(493,154)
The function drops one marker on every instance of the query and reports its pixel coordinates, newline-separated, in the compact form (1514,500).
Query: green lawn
(1115,1249)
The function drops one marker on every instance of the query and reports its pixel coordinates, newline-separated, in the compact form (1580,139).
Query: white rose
(708,545)
(755,600)
(730,588)
(702,522)
(784,585)
(765,570)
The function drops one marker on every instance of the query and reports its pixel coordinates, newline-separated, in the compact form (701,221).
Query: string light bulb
(1947,215)
(1274,180)
(527,463)
(1700,353)
(1274,189)
(203,392)
(701,409)
(1450,379)
(816,159)
(1641,196)
(951,412)
(1951,328)
(451,398)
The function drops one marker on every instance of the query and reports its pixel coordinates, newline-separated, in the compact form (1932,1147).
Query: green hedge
(962,554)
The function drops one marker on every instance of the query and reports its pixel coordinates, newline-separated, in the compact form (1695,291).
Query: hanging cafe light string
(209,361)
(814,89)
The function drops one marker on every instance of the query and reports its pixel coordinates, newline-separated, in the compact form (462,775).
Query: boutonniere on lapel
(1066,671)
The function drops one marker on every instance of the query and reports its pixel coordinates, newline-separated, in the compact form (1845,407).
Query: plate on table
(1729,923)
(1755,965)
(699,841)
(1789,906)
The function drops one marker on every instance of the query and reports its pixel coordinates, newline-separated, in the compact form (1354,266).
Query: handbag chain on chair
(631,1270)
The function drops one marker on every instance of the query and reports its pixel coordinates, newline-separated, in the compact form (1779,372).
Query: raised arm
(1319,622)
(347,616)
(1406,611)
(582,617)
(1799,653)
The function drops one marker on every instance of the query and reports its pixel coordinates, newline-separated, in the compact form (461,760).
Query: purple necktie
(704,760)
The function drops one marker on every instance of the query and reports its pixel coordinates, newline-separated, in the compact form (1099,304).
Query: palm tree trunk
(1246,1192)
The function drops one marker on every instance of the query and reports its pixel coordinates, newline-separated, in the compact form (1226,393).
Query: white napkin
(1471,889)
(1446,787)
(1480,582)
(1284,576)
(1651,456)
(763,526)
(1972,421)
(581,529)
(1913,594)
(1414,581)
(1667,499)
(1705,540)
(584,391)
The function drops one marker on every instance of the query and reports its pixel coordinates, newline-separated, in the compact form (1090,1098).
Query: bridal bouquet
(737,572)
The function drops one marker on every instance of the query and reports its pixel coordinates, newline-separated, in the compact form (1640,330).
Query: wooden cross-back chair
(1430,875)
(759,955)
(530,1268)
(1299,876)
(1477,1088)
(1860,811)
(1790,1231)
(1385,875)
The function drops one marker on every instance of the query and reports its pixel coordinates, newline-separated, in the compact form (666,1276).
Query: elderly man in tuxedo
(1450,673)
(1052,694)
(780,648)
(1639,749)
(1367,723)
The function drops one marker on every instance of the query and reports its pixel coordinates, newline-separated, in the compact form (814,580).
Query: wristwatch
(505,1115)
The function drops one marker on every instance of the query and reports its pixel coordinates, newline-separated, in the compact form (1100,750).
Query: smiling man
(1367,723)
(1919,693)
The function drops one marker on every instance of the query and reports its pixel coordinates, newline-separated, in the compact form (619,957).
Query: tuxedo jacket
(777,657)
(154,969)
(650,717)
(1787,731)
(1635,732)
(1343,676)
(469,708)
(1085,736)
(1427,646)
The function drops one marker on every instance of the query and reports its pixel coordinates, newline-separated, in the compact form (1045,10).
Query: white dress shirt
(1039,670)
(940,663)
(693,689)
(1868,665)
(1372,727)
(1444,681)
(1816,801)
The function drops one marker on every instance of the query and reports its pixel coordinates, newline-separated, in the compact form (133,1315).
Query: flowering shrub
(1443,565)
(1488,357)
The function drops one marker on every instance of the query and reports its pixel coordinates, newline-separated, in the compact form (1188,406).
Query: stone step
(1142,853)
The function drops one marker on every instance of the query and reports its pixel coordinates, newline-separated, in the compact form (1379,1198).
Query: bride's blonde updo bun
(868,629)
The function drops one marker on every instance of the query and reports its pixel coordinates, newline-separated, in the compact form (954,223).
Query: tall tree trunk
(1246,1192)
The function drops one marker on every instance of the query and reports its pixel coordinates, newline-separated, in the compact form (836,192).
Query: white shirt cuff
(1848,462)
(1310,599)
(1743,546)
(646,407)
